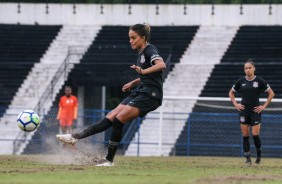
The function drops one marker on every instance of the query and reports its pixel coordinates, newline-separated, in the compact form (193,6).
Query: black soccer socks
(246,144)
(257,141)
(94,129)
(112,148)
(115,139)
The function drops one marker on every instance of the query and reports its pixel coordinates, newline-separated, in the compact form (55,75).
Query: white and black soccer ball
(28,121)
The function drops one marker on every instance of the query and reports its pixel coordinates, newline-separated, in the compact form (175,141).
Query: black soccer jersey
(151,84)
(250,90)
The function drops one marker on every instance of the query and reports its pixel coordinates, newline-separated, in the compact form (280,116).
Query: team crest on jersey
(142,60)
(242,119)
(255,84)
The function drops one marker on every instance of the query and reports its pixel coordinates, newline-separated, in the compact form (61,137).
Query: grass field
(35,169)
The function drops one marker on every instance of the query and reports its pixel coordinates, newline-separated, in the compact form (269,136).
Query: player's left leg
(63,126)
(69,126)
(257,141)
(127,114)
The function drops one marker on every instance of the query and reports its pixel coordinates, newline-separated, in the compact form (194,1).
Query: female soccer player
(146,97)
(67,111)
(250,109)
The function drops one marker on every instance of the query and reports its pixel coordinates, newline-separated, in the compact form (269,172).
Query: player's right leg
(93,129)
(246,144)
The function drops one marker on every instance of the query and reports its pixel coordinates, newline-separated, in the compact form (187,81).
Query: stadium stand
(21,46)
(109,57)
(50,73)
(263,43)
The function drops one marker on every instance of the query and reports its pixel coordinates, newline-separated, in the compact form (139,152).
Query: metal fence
(204,134)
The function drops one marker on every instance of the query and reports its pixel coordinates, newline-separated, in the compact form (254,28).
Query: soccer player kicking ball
(146,97)
(250,87)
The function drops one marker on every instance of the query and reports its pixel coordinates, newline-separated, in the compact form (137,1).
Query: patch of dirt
(240,179)
(82,154)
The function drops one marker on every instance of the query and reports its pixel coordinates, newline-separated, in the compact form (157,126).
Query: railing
(62,71)
(48,93)
(205,134)
(168,66)
(154,2)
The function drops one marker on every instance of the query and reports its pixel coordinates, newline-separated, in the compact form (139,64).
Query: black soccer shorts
(143,102)
(249,118)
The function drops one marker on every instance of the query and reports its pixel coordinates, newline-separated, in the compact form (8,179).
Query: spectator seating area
(109,57)
(20,47)
(263,44)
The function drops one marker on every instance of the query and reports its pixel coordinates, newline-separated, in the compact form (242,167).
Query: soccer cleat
(258,156)
(248,161)
(66,138)
(105,163)
(258,160)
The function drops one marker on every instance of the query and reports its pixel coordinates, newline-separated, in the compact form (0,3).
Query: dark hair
(68,87)
(251,61)
(142,30)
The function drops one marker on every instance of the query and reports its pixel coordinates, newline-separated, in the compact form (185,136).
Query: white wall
(118,14)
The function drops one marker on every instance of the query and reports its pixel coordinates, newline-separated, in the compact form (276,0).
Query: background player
(250,87)
(67,111)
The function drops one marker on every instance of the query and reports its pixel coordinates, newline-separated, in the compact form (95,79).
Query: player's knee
(117,130)
(257,141)
(245,134)
(117,123)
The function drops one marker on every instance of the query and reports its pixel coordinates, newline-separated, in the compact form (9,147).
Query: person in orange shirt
(67,111)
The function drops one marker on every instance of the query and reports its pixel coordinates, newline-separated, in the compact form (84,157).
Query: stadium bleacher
(21,46)
(109,57)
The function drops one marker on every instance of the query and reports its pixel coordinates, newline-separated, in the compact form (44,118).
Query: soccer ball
(28,120)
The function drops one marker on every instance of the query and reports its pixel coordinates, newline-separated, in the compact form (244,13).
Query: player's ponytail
(148,32)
